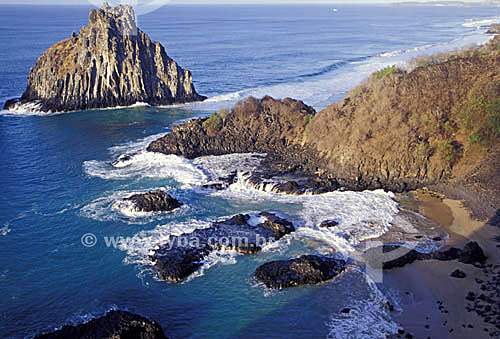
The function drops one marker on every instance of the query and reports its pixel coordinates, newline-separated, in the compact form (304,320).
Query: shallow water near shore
(57,182)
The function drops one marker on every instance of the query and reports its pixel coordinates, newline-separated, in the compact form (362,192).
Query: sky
(86,2)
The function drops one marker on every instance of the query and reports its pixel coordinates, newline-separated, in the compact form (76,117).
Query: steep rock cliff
(108,63)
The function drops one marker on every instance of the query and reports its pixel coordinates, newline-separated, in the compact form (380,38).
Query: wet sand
(434,304)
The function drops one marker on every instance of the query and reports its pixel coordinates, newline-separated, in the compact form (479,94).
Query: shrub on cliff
(213,124)
(488,130)
(308,118)
(448,153)
(480,113)
(385,72)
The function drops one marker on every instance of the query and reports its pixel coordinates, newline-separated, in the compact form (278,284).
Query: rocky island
(108,63)
(113,325)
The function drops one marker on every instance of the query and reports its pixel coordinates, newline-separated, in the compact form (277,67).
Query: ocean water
(57,183)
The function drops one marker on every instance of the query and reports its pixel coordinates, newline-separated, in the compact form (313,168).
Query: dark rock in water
(157,201)
(346,310)
(122,160)
(328,224)
(472,253)
(184,254)
(458,274)
(278,226)
(114,325)
(221,183)
(108,63)
(11,103)
(306,270)
(178,263)
(269,181)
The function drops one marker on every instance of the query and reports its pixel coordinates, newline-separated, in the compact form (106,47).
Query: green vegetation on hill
(385,72)
(213,124)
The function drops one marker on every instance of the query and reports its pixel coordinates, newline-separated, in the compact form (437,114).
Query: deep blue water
(54,173)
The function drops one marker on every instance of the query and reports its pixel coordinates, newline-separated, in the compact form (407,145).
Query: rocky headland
(108,63)
(113,325)
(436,123)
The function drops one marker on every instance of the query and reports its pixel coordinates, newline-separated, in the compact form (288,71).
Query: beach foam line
(481,23)
(368,317)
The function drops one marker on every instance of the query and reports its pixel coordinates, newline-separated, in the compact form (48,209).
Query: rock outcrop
(306,270)
(377,257)
(114,325)
(253,125)
(108,63)
(157,201)
(182,255)
(494,29)
(270,126)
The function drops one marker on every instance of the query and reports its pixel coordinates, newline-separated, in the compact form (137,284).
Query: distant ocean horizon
(58,185)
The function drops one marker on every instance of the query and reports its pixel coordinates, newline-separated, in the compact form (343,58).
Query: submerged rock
(458,274)
(157,201)
(328,224)
(108,63)
(114,325)
(182,255)
(306,270)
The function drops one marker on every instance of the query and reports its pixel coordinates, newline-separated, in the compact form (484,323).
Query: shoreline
(434,303)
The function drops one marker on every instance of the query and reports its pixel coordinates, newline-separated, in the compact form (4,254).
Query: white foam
(481,23)
(148,165)
(368,318)
(362,215)
(135,146)
(27,109)
(224,165)
(144,164)
(34,109)
(5,229)
(113,208)
(218,257)
(139,247)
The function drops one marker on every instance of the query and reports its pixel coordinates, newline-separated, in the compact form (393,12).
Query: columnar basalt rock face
(108,63)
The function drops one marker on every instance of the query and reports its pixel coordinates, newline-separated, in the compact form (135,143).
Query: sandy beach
(435,304)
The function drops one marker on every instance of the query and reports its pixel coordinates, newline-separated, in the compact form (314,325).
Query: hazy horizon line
(236,2)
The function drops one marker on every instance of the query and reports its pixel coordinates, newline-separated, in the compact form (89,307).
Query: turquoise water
(57,185)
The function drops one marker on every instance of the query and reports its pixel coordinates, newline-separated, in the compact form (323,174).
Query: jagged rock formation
(108,63)
(306,270)
(182,255)
(157,201)
(265,125)
(114,325)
